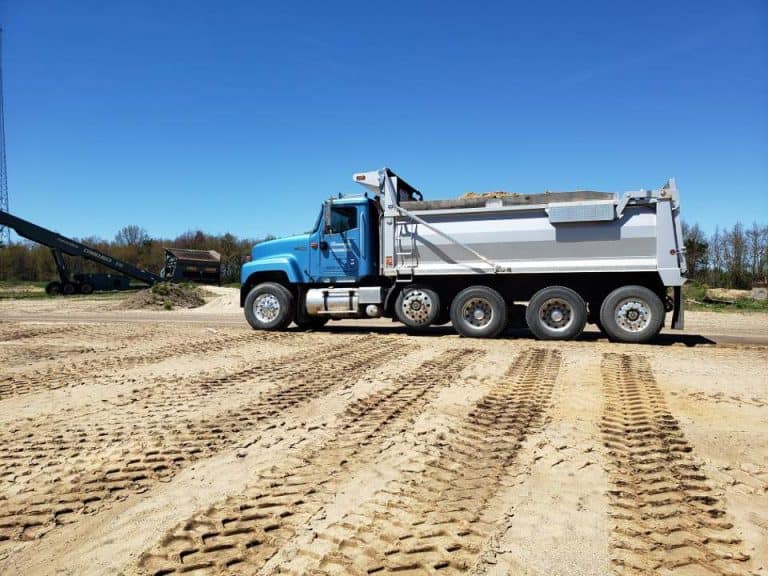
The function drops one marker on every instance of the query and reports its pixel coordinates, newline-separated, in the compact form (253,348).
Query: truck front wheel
(479,312)
(632,314)
(556,313)
(269,306)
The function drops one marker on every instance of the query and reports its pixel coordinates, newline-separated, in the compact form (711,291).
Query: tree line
(735,257)
(28,261)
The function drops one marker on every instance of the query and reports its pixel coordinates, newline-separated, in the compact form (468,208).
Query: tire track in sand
(13,332)
(147,413)
(434,520)
(51,342)
(62,375)
(666,517)
(244,532)
(153,446)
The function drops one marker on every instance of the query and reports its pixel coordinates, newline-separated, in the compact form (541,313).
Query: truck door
(339,246)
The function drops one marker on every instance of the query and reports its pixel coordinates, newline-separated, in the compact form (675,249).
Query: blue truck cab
(342,248)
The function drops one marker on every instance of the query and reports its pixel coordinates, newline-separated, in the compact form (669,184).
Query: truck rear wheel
(632,314)
(556,313)
(479,312)
(269,306)
(53,288)
(417,306)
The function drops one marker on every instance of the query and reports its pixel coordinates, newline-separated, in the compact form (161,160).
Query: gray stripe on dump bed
(426,251)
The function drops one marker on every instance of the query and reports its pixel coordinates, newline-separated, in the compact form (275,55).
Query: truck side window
(343,218)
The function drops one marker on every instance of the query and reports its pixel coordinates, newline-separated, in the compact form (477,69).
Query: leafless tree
(131,235)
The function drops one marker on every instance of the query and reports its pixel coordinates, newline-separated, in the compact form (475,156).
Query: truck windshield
(318,221)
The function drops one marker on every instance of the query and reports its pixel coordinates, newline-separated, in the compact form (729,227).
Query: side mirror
(327,218)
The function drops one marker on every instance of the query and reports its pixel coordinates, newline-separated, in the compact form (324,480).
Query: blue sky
(242,116)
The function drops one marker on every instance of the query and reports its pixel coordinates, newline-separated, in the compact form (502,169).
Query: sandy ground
(183,442)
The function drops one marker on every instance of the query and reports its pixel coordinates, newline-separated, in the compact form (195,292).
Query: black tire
(632,314)
(68,289)
(467,306)
(53,288)
(269,306)
(86,288)
(311,322)
(556,313)
(417,306)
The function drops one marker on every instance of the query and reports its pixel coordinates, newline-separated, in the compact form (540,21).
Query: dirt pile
(221,300)
(165,296)
(497,194)
(727,294)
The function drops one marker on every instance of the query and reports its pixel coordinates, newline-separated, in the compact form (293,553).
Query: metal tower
(5,232)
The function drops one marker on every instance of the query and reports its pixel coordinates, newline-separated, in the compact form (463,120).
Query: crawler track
(130,450)
(242,533)
(62,375)
(666,515)
(432,521)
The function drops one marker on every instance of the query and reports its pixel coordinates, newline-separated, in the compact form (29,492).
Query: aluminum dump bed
(570,232)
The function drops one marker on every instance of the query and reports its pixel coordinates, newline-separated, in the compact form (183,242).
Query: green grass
(9,284)
(740,305)
(11,295)
(19,289)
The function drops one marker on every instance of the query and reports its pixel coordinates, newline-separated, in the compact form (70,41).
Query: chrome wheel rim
(477,312)
(266,307)
(633,315)
(417,306)
(556,314)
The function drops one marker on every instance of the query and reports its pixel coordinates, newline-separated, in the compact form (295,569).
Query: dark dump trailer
(184,265)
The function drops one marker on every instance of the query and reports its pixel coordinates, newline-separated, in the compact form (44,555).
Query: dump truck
(612,259)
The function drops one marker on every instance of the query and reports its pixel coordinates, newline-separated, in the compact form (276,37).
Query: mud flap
(678,316)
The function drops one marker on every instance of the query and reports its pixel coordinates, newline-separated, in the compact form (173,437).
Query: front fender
(287,265)
(285,270)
